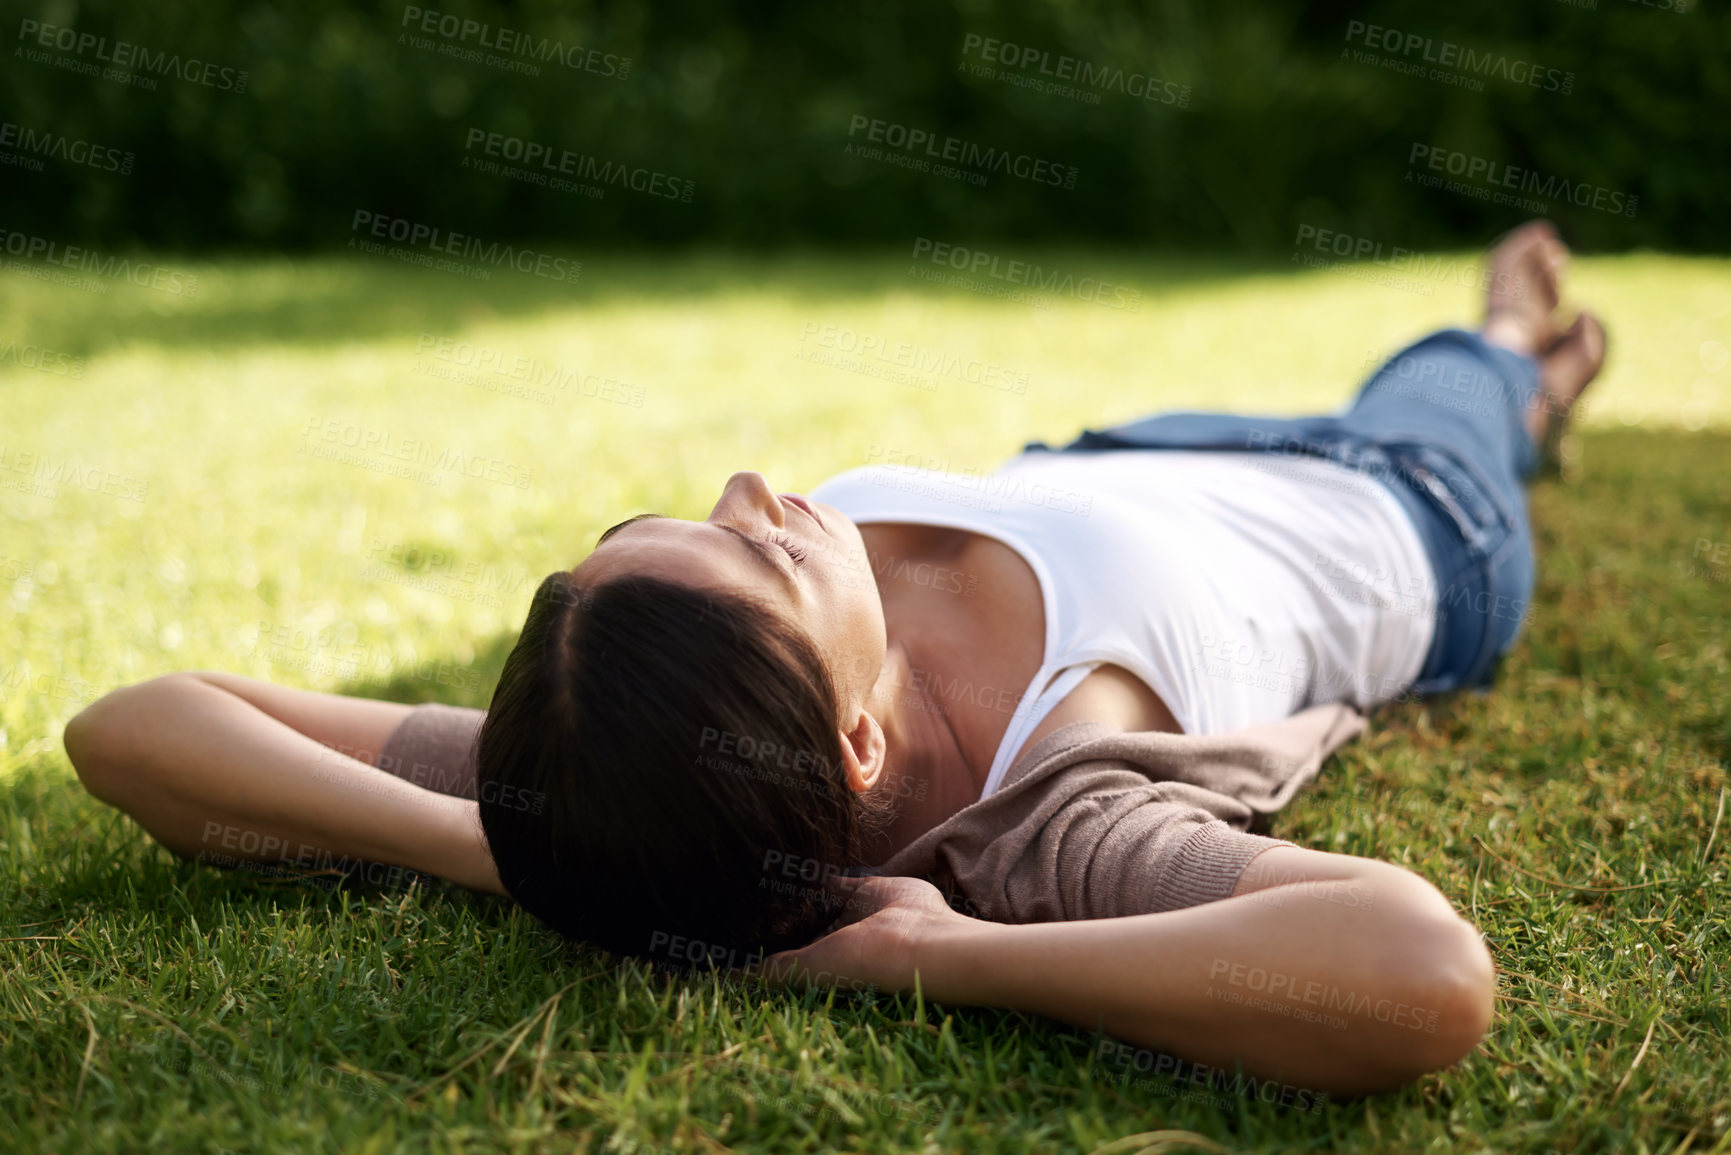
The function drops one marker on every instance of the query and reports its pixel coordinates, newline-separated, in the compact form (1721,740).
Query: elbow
(1431,1018)
(102,740)
(1444,1007)
(89,743)
(1461,986)
(1437,990)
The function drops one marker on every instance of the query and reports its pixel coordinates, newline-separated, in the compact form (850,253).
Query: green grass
(147,1003)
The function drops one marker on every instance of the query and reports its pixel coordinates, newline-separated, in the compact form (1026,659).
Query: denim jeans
(1440,424)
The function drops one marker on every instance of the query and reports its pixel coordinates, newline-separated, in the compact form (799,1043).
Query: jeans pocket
(1481,607)
(1479,509)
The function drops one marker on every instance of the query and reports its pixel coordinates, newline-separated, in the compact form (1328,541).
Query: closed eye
(794,550)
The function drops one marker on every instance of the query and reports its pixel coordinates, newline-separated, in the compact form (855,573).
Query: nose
(747,497)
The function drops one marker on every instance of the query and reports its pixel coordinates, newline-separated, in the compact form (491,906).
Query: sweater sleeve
(1104,842)
(434,747)
(1097,824)
(1165,856)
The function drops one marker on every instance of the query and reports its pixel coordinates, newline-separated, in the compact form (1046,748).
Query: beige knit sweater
(1090,823)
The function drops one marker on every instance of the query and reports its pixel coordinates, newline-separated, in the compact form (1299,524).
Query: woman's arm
(1323,971)
(219,768)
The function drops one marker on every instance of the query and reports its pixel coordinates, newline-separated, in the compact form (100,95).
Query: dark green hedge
(1186,123)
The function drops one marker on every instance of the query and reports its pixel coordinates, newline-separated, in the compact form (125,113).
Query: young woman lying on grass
(1062,693)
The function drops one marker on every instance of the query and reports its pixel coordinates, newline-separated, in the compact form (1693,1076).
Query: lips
(804,506)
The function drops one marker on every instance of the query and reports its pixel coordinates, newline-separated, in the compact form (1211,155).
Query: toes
(1555,255)
(1586,332)
(1543,280)
(1560,339)
(1534,257)
(1538,238)
(1537,228)
(1524,236)
(1579,351)
(1573,340)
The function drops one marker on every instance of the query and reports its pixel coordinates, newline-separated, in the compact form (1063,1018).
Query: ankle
(1510,332)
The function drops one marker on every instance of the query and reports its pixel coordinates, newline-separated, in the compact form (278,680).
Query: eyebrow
(761,550)
(610,531)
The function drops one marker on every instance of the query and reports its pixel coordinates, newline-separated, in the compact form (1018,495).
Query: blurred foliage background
(751,103)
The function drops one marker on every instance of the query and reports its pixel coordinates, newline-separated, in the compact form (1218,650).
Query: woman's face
(805,561)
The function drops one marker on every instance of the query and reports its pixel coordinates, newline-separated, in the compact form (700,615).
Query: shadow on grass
(444,680)
(326,301)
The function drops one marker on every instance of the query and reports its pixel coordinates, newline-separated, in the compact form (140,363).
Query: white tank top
(1241,587)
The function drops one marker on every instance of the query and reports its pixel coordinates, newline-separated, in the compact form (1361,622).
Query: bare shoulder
(1111,695)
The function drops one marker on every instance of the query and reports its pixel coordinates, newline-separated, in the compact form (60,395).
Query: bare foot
(1525,268)
(1565,371)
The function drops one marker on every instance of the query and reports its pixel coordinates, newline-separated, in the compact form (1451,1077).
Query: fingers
(785,967)
(857,898)
(779,969)
(815,966)
(863,947)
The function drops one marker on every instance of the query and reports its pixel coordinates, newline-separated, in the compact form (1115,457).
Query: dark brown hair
(680,748)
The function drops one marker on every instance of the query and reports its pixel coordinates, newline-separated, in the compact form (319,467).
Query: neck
(925,776)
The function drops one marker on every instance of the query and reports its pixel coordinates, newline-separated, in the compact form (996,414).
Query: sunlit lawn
(169,499)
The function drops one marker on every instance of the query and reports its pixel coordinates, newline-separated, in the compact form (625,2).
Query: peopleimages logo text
(57,146)
(131,57)
(1038,61)
(556,162)
(464,245)
(981,158)
(1460,58)
(1496,174)
(977,262)
(510,42)
(86,260)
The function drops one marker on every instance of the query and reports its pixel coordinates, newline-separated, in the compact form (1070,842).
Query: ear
(863,750)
